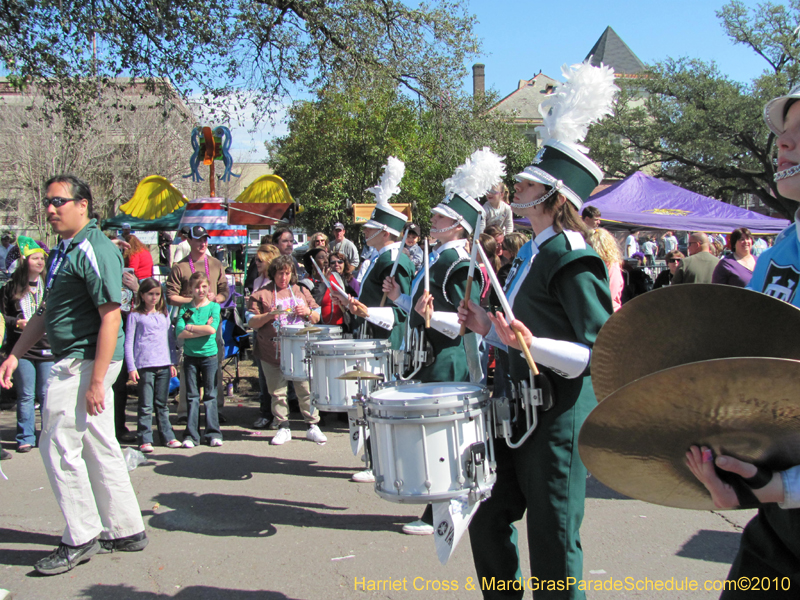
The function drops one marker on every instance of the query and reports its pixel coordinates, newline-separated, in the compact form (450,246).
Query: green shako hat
(565,168)
(480,173)
(385,217)
(562,163)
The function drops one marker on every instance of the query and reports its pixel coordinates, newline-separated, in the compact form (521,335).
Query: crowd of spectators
(634,266)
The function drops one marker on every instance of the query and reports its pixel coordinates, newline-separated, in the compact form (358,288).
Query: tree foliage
(118,150)
(687,123)
(338,144)
(247,52)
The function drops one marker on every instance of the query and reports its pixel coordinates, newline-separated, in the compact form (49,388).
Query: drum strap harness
(517,417)
(417,353)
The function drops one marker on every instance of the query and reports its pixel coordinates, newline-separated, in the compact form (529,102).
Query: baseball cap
(338,225)
(414,228)
(198,232)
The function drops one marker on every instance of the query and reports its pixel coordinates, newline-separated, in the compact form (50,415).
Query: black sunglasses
(57,202)
(336,262)
(674,260)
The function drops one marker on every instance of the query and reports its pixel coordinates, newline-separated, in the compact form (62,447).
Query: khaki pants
(276,384)
(83,459)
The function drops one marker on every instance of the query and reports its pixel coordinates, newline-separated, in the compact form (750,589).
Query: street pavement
(250,521)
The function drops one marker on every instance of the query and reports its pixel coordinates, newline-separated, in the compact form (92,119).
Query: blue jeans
(30,377)
(201,371)
(154,391)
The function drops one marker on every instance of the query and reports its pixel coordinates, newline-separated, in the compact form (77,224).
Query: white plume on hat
(387,187)
(585,98)
(481,172)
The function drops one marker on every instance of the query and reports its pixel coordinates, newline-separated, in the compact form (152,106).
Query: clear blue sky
(520,37)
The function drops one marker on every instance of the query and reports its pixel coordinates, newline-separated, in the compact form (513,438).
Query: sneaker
(146,448)
(182,420)
(365,476)
(215,442)
(284,435)
(5,455)
(315,434)
(132,543)
(418,528)
(261,423)
(188,443)
(274,424)
(65,558)
(173,444)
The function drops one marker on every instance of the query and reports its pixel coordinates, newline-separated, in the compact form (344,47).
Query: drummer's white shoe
(284,435)
(365,476)
(418,528)
(315,434)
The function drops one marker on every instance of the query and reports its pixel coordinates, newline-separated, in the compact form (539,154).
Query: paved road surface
(250,521)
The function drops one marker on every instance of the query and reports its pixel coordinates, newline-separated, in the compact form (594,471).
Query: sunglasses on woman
(335,262)
(674,260)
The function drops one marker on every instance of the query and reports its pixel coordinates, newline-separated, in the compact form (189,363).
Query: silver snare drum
(332,358)
(431,441)
(293,348)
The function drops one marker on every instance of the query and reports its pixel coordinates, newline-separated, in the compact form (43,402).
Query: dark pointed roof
(613,52)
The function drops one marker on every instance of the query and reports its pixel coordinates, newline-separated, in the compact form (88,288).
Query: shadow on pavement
(714,546)
(25,558)
(595,489)
(245,516)
(193,592)
(239,467)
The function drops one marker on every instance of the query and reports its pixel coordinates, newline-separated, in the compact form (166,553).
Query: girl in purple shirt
(151,357)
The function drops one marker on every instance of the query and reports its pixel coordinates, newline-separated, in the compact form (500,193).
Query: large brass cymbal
(353,375)
(688,323)
(635,441)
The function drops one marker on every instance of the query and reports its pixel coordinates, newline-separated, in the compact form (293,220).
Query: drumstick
(396,261)
(507,310)
(427,280)
(472,260)
(331,285)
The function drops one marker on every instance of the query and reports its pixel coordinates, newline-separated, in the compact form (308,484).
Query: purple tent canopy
(643,202)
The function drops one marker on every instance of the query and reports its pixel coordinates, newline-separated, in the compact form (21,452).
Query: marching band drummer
(381,233)
(558,289)
(452,358)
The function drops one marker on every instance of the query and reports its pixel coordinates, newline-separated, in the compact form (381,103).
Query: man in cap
(339,243)
(81,315)
(179,293)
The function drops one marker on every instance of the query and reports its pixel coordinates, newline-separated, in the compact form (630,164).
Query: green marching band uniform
(452,355)
(387,322)
(558,287)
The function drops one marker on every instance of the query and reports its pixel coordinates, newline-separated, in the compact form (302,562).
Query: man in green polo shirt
(81,315)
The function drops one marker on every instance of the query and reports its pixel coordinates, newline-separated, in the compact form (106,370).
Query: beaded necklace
(30,301)
(205,261)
